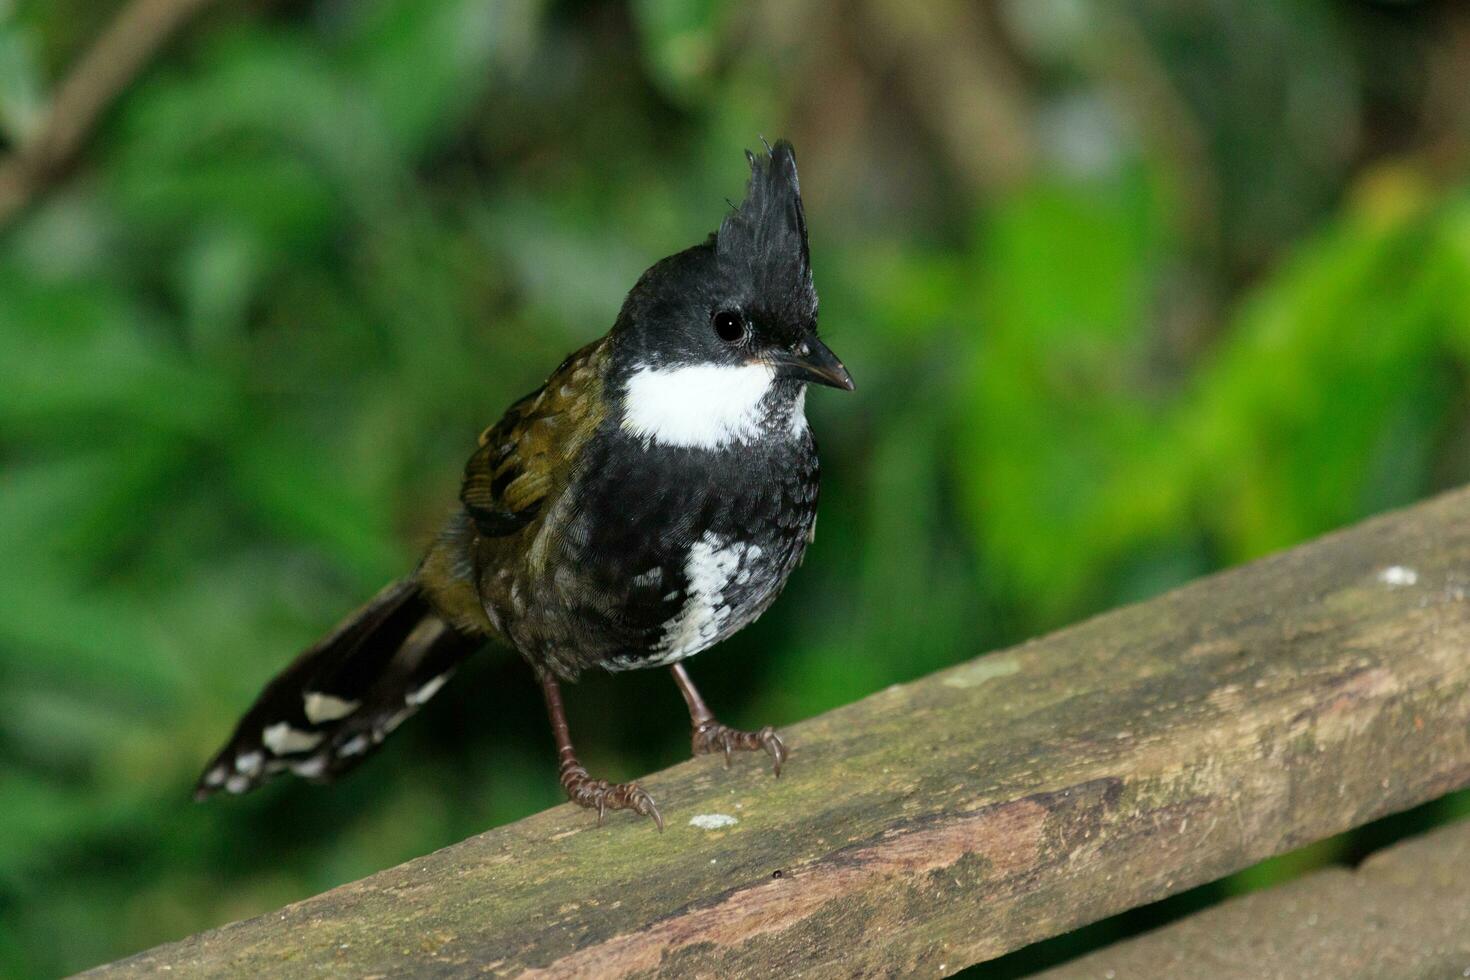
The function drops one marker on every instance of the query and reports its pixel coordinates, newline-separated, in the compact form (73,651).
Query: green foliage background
(1132,291)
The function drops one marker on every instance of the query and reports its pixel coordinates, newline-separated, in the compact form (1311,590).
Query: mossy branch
(948,821)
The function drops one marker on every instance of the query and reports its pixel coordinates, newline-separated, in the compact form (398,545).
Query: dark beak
(811,360)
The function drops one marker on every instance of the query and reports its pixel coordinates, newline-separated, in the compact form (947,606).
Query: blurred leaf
(21,103)
(426,66)
(247,340)
(681,42)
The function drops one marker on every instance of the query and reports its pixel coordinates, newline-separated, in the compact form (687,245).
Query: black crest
(764,240)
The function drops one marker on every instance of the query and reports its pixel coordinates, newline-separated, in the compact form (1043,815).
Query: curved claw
(600,795)
(711,735)
(643,804)
(775,748)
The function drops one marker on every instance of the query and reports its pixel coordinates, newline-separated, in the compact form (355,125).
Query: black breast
(668,550)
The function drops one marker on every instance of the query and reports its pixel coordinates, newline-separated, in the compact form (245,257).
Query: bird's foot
(602,796)
(713,736)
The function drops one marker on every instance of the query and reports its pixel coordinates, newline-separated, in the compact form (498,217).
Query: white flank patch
(712,821)
(1398,575)
(703,406)
(237,784)
(427,691)
(321,707)
(216,776)
(282,739)
(249,763)
(310,768)
(711,566)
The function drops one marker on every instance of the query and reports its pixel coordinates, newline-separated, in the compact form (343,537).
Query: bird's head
(729,328)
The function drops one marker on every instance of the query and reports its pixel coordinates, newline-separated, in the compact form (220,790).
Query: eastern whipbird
(644,504)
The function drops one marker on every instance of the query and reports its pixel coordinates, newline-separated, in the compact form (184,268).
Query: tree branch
(950,820)
(104,73)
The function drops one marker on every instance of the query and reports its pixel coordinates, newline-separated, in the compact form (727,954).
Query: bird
(645,503)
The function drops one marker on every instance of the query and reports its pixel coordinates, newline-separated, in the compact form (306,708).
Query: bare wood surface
(948,821)
(122,51)
(1404,913)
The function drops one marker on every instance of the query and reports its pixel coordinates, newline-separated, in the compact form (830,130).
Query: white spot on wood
(712,821)
(982,670)
(321,707)
(1396,576)
(282,739)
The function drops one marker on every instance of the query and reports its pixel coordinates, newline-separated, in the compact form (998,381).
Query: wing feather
(523,456)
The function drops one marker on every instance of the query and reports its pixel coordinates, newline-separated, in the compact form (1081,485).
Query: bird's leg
(582,789)
(710,735)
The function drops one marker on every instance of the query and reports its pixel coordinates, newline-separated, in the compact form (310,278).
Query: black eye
(730,326)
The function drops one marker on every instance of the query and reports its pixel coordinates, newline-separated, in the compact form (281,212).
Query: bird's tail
(337,701)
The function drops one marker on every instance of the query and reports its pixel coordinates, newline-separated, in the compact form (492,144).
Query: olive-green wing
(523,456)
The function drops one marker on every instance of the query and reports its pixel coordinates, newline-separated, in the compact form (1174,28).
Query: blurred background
(1132,291)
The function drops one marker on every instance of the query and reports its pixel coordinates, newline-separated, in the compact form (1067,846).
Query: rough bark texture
(947,821)
(1404,914)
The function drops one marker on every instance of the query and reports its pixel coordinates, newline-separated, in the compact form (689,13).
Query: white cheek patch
(703,406)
